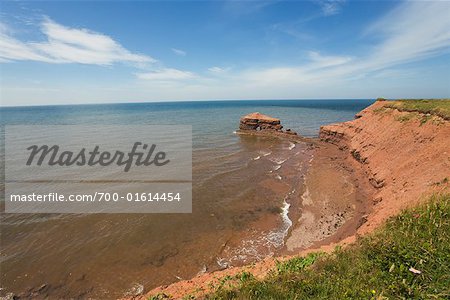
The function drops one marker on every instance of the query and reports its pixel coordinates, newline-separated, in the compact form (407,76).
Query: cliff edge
(405,154)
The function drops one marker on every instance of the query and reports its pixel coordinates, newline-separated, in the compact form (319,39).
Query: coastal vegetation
(439,107)
(407,258)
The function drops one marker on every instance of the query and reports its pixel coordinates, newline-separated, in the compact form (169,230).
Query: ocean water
(246,191)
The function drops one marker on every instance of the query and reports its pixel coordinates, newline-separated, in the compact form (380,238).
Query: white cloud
(246,7)
(166,74)
(331,7)
(4,29)
(321,61)
(178,52)
(411,32)
(68,45)
(12,49)
(218,70)
(414,30)
(395,74)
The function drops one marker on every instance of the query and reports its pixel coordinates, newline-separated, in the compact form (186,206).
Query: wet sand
(332,204)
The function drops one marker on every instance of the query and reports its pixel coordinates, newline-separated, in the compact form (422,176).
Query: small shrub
(405,117)
(245,276)
(160,296)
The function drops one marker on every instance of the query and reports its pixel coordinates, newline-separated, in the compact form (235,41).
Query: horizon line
(201,100)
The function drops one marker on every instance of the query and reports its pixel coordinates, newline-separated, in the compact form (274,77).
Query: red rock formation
(260,122)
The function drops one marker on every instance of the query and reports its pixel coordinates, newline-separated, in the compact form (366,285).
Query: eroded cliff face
(406,155)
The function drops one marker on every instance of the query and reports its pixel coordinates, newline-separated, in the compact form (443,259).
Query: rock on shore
(256,121)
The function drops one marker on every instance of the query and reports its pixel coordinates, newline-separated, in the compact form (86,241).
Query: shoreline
(333,204)
(355,151)
(333,228)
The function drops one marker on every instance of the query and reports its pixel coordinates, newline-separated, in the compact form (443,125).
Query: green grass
(297,264)
(376,267)
(407,117)
(437,107)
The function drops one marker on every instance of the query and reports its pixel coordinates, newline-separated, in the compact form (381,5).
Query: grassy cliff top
(439,107)
(406,259)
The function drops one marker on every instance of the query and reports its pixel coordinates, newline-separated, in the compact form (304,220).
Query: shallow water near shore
(246,190)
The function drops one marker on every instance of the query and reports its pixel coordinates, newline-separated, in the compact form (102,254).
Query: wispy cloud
(166,74)
(13,49)
(4,29)
(296,29)
(413,31)
(218,70)
(395,74)
(68,45)
(178,52)
(331,7)
(323,61)
(293,29)
(240,7)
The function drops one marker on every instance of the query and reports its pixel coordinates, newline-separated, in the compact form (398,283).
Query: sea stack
(256,121)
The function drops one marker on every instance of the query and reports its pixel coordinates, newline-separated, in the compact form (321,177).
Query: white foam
(285,216)
(135,290)
(278,161)
(256,158)
(276,237)
(248,250)
(223,263)
(278,177)
(203,270)
(291,146)
(276,168)
(268,153)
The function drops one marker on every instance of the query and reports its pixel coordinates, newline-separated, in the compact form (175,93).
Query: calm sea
(245,193)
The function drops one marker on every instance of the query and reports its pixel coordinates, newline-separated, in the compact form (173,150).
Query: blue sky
(125,51)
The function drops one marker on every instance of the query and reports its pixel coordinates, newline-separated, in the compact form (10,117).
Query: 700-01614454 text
(97,197)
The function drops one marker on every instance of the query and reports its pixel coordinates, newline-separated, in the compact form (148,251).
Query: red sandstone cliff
(403,154)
